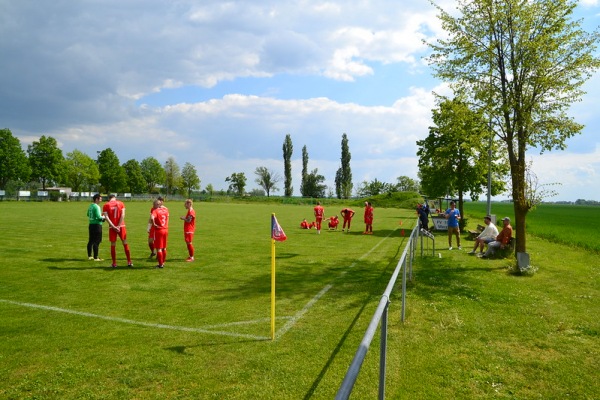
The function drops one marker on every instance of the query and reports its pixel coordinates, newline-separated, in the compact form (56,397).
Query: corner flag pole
(277,234)
(273,289)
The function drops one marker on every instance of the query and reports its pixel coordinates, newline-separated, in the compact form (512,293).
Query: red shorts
(188,236)
(151,233)
(369,220)
(113,235)
(160,238)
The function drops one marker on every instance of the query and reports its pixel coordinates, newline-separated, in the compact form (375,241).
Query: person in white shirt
(488,235)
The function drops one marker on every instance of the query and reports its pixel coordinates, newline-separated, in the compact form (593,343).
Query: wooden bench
(473,234)
(507,250)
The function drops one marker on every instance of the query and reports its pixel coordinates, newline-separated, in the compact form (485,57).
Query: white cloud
(74,70)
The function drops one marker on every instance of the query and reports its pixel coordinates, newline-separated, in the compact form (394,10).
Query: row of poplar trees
(312,182)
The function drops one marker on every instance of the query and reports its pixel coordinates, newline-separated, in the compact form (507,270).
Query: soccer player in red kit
(333,222)
(347,214)
(114,212)
(319,212)
(155,205)
(160,220)
(368,218)
(189,227)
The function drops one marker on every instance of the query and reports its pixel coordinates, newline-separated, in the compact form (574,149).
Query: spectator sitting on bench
(488,235)
(501,240)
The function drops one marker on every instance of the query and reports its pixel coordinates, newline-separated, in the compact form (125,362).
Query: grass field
(73,328)
(565,224)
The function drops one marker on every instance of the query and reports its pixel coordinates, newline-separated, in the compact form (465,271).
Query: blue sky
(220,83)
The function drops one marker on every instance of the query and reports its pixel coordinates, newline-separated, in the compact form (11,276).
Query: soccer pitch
(73,328)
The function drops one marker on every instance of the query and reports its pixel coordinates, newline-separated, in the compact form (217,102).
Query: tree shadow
(334,353)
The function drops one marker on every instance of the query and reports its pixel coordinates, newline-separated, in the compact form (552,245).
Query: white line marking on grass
(312,301)
(207,329)
(300,313)
(132,322)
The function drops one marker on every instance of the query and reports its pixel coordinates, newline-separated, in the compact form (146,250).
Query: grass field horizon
(73,328)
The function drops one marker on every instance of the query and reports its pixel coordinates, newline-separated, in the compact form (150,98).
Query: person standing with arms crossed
(114,212)
(319,213)
(347,214)
(453,216)
(96,219)
(160,221)
(368,218)
(189,227)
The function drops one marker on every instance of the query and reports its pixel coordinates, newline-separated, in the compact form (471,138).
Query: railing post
(383,351)
(403,290)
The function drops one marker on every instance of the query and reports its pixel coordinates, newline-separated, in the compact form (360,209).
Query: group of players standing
(113,211)
(346,214)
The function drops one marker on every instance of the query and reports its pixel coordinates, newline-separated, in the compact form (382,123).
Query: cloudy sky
(220,83)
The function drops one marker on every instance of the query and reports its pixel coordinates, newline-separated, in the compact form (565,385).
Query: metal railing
(381,315)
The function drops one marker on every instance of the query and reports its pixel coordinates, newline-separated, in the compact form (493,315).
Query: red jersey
(115,210)
(319,211)
(347,213)
(189,223)
(160,217)
(369,214)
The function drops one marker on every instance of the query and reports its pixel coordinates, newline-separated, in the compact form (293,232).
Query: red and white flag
(277,232)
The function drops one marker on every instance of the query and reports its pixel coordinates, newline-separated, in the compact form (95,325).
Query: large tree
(406,184)
(153,173)
(189,178)
(46,160)
(237,183)
(288,149)
(135,178)
(14,165)
(313,184)
(267,179)
(343,176)
(112,174)
(524,63)
(81,171)
(454,157)
(303,190)
(172,176)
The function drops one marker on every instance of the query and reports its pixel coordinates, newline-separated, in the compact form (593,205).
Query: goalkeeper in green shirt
(96,219)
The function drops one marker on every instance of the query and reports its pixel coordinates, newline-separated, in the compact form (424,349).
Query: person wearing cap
(502,239)
(453,216)
(488,235)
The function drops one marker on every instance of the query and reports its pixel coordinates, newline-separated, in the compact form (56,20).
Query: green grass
(565,224)
(473,330)
(226,292)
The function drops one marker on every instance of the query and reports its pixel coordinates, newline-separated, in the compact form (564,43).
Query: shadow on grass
(373,291)
(335,352)
(442,277)
(97,267)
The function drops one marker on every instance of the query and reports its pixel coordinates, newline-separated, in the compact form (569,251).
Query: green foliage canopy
(46,160)
(14,165)
(524,64)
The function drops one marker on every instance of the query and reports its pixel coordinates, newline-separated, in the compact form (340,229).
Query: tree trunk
(521,205)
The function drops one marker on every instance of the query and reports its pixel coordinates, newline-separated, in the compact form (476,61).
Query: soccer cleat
(90,258)
(189,259)
(450,248)
(159,266)
(114,266)
(130,265)
(460,248)
(152,255)
(472,252)
(98,259)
